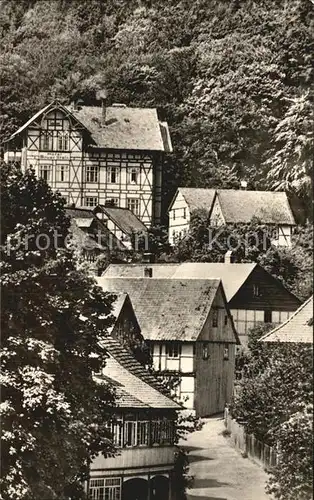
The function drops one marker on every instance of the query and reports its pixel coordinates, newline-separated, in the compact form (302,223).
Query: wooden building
(143,430)
(189,328)
(122,222)
(92,154)
(297,329)
(254,295)
(233,206)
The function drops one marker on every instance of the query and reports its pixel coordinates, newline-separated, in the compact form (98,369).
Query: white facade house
(183,203)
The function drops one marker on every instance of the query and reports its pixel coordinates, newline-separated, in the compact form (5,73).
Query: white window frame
(63,141)
(89,203)
(256,290)
(62,173)
(92,174)
(113,173)
(136,209)
(108,488)
(226,352)
(173,350)
(45,168)
(134,171)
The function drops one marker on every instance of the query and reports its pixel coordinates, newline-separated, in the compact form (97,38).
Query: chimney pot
(228,256)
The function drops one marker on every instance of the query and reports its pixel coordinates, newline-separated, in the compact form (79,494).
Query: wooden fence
(259,452)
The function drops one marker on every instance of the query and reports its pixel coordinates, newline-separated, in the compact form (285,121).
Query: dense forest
(234,79)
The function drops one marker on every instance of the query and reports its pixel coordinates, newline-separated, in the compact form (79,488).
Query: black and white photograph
(156,182)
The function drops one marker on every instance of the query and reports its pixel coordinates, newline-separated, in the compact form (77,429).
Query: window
(174,214)
(205,351)
(105,488)
(63,142)
(134,205)
(92,173)
(62,174)
(134,175)
(173,350)
(226,352)
(45,172)
(112,202)
(267,316)
(156,431)
(130,431)
(255,290)
(142,433)
(46,141)
(226,319)
(113,175)
(91,201)
(184,213)
(215,317)
(118,433)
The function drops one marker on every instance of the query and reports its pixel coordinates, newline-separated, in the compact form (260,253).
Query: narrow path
(220,472)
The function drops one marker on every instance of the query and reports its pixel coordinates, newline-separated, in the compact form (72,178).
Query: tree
(54,415)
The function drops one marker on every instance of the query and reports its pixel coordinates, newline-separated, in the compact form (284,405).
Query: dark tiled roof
(298,328)
(124,219)
(167,309)
(80,213)
(134,385)
(125,128)
(196,198)
(232,276)
(240,206)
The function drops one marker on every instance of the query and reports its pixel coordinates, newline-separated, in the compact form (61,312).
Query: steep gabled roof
(135,386)
(121,301)
(196,198)
(125,128)
(240,206)
(297,328)
(167,309)
(52,105)
(124,219)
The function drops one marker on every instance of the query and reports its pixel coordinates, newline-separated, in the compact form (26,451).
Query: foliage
(233,79)
(261,404)
(274,402)
(292,478)
(54,415)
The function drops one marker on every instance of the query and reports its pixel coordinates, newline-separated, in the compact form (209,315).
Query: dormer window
(205,351)
(184,213)
(256,290)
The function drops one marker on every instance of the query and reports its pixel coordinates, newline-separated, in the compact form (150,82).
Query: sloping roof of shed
(240,206)
(124,218)
(297,328)
(196,198)
(125,128)
(135,386)
(137,270)
(167,309)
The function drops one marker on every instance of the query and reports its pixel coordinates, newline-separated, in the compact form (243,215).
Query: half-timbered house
(143,430)
(189,328)
(254,295)
(94,153)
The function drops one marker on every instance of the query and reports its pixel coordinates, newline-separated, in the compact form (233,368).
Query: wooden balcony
(136,458)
